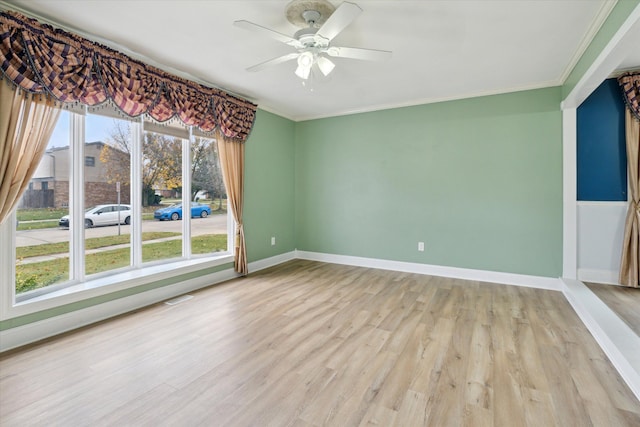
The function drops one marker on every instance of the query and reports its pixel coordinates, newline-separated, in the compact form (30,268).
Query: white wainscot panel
(600,231)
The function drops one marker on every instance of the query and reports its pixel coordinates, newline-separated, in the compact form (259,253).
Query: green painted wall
(478,180)
(269,179)
(612,24)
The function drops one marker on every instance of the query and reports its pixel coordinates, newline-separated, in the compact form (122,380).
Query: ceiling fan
(321,22)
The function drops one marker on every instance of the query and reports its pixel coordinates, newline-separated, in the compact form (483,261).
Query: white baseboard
(608,277)
(272,261)
(550,283)
(619,342)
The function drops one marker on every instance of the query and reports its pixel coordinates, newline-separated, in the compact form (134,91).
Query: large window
(151,195)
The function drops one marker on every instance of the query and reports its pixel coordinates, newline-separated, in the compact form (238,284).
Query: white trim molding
(538,282)
(617,340)
(569,193)
(622,42)
(271,262)
(601,17)
(608,277)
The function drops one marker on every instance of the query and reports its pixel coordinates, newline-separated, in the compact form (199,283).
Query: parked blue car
(174,212)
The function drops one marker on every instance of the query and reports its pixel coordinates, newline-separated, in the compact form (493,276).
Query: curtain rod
(135,55)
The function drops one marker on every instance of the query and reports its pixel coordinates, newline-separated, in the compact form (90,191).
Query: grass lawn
(40,214)
(41,274)
(93,243)
(37,225)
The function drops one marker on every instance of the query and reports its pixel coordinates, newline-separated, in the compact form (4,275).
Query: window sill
(113,283)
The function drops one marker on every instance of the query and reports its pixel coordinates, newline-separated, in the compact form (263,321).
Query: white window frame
(137,274)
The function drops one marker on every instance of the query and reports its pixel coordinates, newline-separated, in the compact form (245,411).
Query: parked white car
(102,215)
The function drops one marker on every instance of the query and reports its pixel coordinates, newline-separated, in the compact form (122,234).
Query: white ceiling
(441,49)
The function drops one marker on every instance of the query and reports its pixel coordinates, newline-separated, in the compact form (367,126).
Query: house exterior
(49,186)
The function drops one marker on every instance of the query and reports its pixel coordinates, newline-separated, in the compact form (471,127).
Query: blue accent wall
(602,157)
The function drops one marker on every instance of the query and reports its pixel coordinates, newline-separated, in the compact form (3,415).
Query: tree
(219,189)
(161,160)
(116,154)
(206,174)
(201,174)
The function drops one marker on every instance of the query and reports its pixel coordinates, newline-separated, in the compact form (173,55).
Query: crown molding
(425,101)
(597,23)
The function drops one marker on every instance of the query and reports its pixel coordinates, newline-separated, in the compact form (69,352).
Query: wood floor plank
(479,387)
(313,344)
(450,389)
(378,416)
(622,300)
(402,373)
(413,410)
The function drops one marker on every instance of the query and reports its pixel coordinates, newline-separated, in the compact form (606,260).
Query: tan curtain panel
(26,124)
(40,59)
(232,164)
(630,263)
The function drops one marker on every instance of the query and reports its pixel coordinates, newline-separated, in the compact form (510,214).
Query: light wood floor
(625,302)
(310,344)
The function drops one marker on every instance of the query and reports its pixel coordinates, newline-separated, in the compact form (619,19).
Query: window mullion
(76,198)
(137,137)
(186,196)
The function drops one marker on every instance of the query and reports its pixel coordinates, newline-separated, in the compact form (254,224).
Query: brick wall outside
(100,193)
(95,193)
(60,194)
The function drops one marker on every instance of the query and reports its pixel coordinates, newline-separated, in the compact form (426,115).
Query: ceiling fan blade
(274,61)
(338,21)
(358,53)
(266,31)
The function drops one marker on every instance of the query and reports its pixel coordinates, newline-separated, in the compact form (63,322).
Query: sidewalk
(35,259)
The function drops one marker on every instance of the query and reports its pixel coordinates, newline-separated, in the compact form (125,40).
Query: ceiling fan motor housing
(308,37)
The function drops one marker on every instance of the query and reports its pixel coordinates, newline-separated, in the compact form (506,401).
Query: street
(214,224)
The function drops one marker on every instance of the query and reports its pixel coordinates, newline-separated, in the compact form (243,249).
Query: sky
(96,129)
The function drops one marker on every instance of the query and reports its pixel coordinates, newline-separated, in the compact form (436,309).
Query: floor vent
(178,300)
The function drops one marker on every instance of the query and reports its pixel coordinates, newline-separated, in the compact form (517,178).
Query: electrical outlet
(273,241)
(421,246)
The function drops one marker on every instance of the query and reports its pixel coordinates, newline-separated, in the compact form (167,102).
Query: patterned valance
(630,84)
(41,59)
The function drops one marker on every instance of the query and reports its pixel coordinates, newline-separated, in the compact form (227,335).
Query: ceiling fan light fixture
(303,72)
(305,62)
(325,65)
